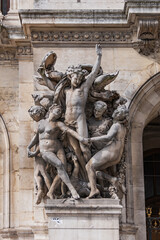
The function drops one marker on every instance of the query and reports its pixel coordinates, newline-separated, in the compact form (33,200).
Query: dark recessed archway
(144,107)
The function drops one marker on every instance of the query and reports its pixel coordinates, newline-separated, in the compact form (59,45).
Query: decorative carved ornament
(7,55)
(148,29)
(149,37)
(81,36)
(24,50)
(75,138)
(4,39)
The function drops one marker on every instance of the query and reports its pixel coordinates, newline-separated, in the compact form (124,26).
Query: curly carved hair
(77,69)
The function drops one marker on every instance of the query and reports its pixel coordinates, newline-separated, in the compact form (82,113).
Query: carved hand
(37,97)
(85,141)
(98,49)
(31,154)
(41,71)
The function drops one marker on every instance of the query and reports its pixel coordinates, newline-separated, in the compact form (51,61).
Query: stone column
(12,18)
(14,5)
(26,165)
(138,178)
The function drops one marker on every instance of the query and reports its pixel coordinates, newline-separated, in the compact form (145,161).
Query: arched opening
(143,109)
(151,156)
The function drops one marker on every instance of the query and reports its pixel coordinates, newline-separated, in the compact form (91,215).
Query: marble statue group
(81,129)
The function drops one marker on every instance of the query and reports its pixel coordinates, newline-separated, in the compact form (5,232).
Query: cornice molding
(90,18)
(137,26)
(80,37)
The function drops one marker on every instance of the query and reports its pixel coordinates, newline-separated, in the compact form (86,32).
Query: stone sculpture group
(79,143)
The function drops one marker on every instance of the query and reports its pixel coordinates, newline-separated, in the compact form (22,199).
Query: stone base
(96,219)
(128,231)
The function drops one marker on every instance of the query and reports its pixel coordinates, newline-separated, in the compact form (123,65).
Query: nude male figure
(76,98)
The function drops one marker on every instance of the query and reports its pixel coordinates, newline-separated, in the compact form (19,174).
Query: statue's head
(37,113)
(121,113)
(120,101)
(76,75)
(55,112)
(99,108)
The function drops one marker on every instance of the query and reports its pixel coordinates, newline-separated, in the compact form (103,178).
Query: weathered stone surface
(98,218)
(124,48)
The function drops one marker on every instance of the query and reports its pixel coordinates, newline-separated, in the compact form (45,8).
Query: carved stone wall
(9,129)
(130,42)
(79,4)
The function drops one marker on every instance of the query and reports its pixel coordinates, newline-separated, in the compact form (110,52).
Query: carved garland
(80,36)
(24,50)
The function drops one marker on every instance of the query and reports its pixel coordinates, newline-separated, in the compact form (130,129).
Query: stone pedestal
(96,219)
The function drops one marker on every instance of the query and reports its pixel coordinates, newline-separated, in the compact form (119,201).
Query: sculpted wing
(103,80)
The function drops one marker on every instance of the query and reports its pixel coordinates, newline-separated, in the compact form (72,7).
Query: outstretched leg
(41,165)
(39,181)
(62,157)
(76,148)
(92,178)
(53,187)
(53,160)
(82,130)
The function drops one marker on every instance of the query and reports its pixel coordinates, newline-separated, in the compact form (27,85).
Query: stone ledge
(84,219)
(87,206)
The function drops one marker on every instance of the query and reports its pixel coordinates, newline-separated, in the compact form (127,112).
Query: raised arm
(33,142)
(110,135)
(91,77)
(45,80)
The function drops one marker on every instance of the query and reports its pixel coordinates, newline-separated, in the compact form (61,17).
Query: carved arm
(33,142)
(91,77)
(107,138)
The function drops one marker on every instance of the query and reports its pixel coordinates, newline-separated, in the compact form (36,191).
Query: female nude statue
(111,154)
(48,134)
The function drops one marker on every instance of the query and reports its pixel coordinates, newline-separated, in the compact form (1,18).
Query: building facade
(129,34)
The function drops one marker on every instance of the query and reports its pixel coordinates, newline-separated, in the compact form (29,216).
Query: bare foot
(39,197)
(50,195)
(75,195)
(93,194)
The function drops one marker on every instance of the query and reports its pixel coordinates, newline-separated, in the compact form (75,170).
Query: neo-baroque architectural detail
(24,50)
(82,36)
(149,36)
(81,132)
(8,54)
